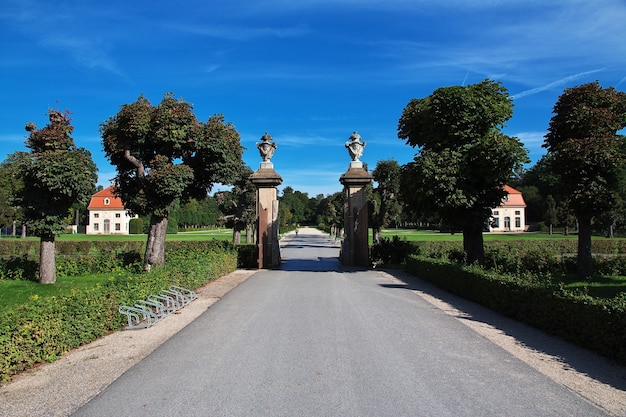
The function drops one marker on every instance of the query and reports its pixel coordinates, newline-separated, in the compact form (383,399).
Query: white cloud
(558,83)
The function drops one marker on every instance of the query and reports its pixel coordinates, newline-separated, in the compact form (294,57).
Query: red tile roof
(515,198)
(98,200)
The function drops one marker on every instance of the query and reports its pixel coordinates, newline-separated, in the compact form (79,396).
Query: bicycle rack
(145,313)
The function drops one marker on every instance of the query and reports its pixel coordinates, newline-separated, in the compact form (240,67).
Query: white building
(510,216)
(107,214)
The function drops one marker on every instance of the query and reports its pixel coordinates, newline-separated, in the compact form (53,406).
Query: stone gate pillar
(355,247)
(266,180)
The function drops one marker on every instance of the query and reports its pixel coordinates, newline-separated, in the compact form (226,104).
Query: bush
(135,226)
(45,328)
(247,256)
(391,251)
(597,324)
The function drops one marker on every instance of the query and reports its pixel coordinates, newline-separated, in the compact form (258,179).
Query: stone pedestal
(355,248)
(266,180)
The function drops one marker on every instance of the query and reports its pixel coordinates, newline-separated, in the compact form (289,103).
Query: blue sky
(309,72)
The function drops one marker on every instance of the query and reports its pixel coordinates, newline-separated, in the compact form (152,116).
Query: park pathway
(316,339)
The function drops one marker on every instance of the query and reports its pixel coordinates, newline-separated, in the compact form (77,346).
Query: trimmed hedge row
(590,322)
(46,328)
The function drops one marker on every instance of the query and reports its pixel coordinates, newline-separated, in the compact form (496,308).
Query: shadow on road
(581,360)
(312,252)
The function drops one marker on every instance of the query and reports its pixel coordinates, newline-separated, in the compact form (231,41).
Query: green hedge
(590,322)
(46,328)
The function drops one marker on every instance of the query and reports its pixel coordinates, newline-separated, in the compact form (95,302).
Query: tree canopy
(463,159)
(387,176)
(587,155)
(56,175)
(164,156)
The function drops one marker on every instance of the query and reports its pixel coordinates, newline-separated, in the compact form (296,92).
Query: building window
(517,212)
(495,222)
(107,201)
(117,215)
(496,212)
(96,215)
(518,222)
(118,227)
(96,227)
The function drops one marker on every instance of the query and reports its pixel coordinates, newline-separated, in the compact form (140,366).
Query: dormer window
(107,201)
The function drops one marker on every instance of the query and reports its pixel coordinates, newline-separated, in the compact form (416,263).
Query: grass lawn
(414,235)
(221,234)
(601,287)
(18,292)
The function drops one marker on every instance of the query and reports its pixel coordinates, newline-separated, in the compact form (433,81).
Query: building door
(507,223)
(107,226)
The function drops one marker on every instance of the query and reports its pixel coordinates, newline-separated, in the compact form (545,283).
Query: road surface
(316,339)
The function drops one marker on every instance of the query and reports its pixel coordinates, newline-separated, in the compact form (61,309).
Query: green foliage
(135,226)
(164,156)
(464,159)
(56,175)
(597,324)
(587,156)
(44,328)
(391,251)
(387,176)
(247,256)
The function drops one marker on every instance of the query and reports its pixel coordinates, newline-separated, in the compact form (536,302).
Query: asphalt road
(316,339)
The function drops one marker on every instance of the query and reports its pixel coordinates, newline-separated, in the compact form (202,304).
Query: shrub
(593,323)
(391,251)
(135,226)
(47,327)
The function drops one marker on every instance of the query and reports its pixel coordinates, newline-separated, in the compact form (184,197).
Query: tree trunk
(155,247)
(236,236)
(585,267)
(473,245)
(376,235)
(249,234)
(23,231)
(47,266)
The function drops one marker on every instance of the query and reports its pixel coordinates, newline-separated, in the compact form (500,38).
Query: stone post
(355,247)
(266,180)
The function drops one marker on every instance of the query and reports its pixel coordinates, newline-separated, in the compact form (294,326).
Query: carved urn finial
(266,147)
(355,146)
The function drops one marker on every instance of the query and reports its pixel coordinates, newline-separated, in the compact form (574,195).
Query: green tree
(11,182)
(550,213)
(56,176)
(240,204)
(588,155)
(299,205)
(331,212)
(464,159)
(387,176)
(164,156)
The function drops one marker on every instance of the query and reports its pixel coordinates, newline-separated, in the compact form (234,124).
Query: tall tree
(164,156)
(11,183)
(56,176)
(387,176)
(588,155)
(464,159)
